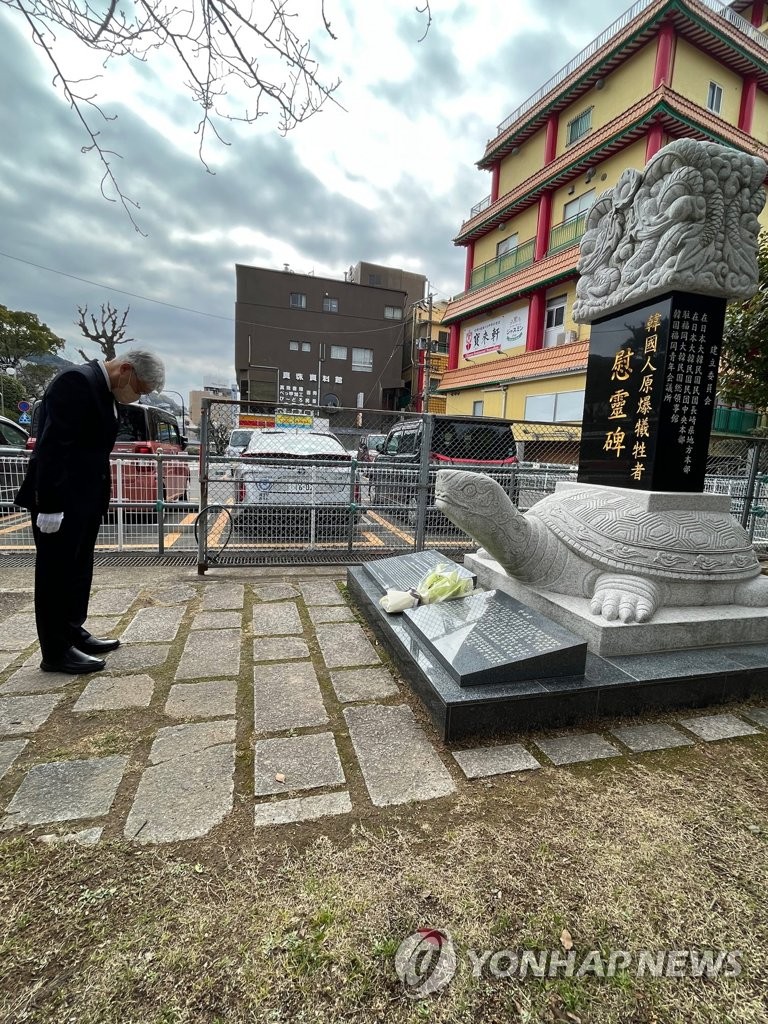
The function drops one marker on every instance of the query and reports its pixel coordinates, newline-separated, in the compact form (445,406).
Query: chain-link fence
(344,485)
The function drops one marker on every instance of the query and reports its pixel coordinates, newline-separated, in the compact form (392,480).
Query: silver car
(295,480)
(13,464)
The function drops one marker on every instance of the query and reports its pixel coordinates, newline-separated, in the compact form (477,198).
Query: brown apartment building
(303,341)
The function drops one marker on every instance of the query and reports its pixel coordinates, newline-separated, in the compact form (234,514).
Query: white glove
(49,522)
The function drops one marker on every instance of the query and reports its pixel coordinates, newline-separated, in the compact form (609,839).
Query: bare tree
(107,333)
(220,46)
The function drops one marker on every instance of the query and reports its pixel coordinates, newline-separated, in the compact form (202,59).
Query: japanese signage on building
(302,388)
(494,335)
(650,395)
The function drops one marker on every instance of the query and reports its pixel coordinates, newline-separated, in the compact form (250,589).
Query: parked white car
(295,480)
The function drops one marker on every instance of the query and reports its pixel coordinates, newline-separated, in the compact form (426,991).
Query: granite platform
(615,685)
(670,629)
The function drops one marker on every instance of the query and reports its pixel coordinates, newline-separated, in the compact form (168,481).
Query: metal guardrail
(479,207)
(566,233)
(375,509)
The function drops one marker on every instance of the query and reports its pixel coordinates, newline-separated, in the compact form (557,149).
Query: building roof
(724,31)
(544,362)
(679,117)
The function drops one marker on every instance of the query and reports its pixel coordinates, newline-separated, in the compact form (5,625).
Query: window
(393,313)
(12,436)
(579,205)
(330,305)
(556,312)
(477,408)
(442,343)
(362,359)
(714,98)
(507,245)
(579,126)
(558,408)
(298,300)
(338,351)
(293,346)
(375,280)
(306,347)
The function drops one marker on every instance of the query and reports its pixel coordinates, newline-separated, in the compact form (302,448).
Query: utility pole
(427,356)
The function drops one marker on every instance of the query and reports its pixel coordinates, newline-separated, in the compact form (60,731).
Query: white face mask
(126,393)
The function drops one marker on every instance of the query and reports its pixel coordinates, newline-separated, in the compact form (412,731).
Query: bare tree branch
(107,333)
(225,48)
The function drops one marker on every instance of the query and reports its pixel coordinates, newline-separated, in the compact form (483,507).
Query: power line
(197,312)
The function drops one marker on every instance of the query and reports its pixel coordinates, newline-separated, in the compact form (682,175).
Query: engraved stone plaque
(490,637)
(404,571)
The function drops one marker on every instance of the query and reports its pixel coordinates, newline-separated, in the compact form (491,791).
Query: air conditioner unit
(560,339)
(571,336)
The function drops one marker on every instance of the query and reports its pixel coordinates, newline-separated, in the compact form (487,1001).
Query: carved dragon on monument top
(688,222)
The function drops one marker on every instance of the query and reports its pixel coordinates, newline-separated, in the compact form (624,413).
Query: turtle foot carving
(627,598)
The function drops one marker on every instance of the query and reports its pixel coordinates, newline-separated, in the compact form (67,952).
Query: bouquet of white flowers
(439,584)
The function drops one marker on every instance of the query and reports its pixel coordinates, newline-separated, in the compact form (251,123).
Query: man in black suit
(66,488)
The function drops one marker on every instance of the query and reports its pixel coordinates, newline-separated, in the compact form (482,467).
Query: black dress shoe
(91,645)
(74,662)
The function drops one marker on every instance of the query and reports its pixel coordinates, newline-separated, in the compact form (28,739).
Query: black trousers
(63,575)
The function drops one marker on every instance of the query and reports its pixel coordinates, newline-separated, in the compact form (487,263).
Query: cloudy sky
(386,175)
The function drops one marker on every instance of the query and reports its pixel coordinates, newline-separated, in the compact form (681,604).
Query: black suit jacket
(69,468)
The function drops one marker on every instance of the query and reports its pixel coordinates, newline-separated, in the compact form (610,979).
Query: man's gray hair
(149,368)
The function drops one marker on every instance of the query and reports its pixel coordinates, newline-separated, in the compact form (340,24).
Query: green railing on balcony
(566,233)
(520,256)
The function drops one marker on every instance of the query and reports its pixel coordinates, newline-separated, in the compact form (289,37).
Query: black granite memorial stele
(650,394)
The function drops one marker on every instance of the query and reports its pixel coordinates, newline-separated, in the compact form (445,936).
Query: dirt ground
(302,923)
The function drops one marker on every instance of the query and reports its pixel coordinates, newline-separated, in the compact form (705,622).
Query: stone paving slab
(323,592)
(7,658)
(102,625)
(188,787)
(18,632)
(306,808)
(85,837)
(202,700)
(116,693)
(573,749)
(651,736)
(177,593)
(344,644)
(280,649)
(360,684)
(277,619)
(758,715)
(274,592)
(65,791)
(332,613)
(31,679)
(136,658)
(210,652)
(19,715)
(398,762)
(219,596)
(176,741)
(718,727)
(154,625)
(484,761)
(112,601)
(287,697)
(217,620)
(9,751)
(307,762)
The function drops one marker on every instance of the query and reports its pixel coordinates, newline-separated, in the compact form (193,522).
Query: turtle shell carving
(613,534)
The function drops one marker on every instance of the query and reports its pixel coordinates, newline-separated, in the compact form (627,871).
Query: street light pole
(9,371)
(169,391)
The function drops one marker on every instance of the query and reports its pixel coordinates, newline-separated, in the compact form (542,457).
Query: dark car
(13,440)
(471,442)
